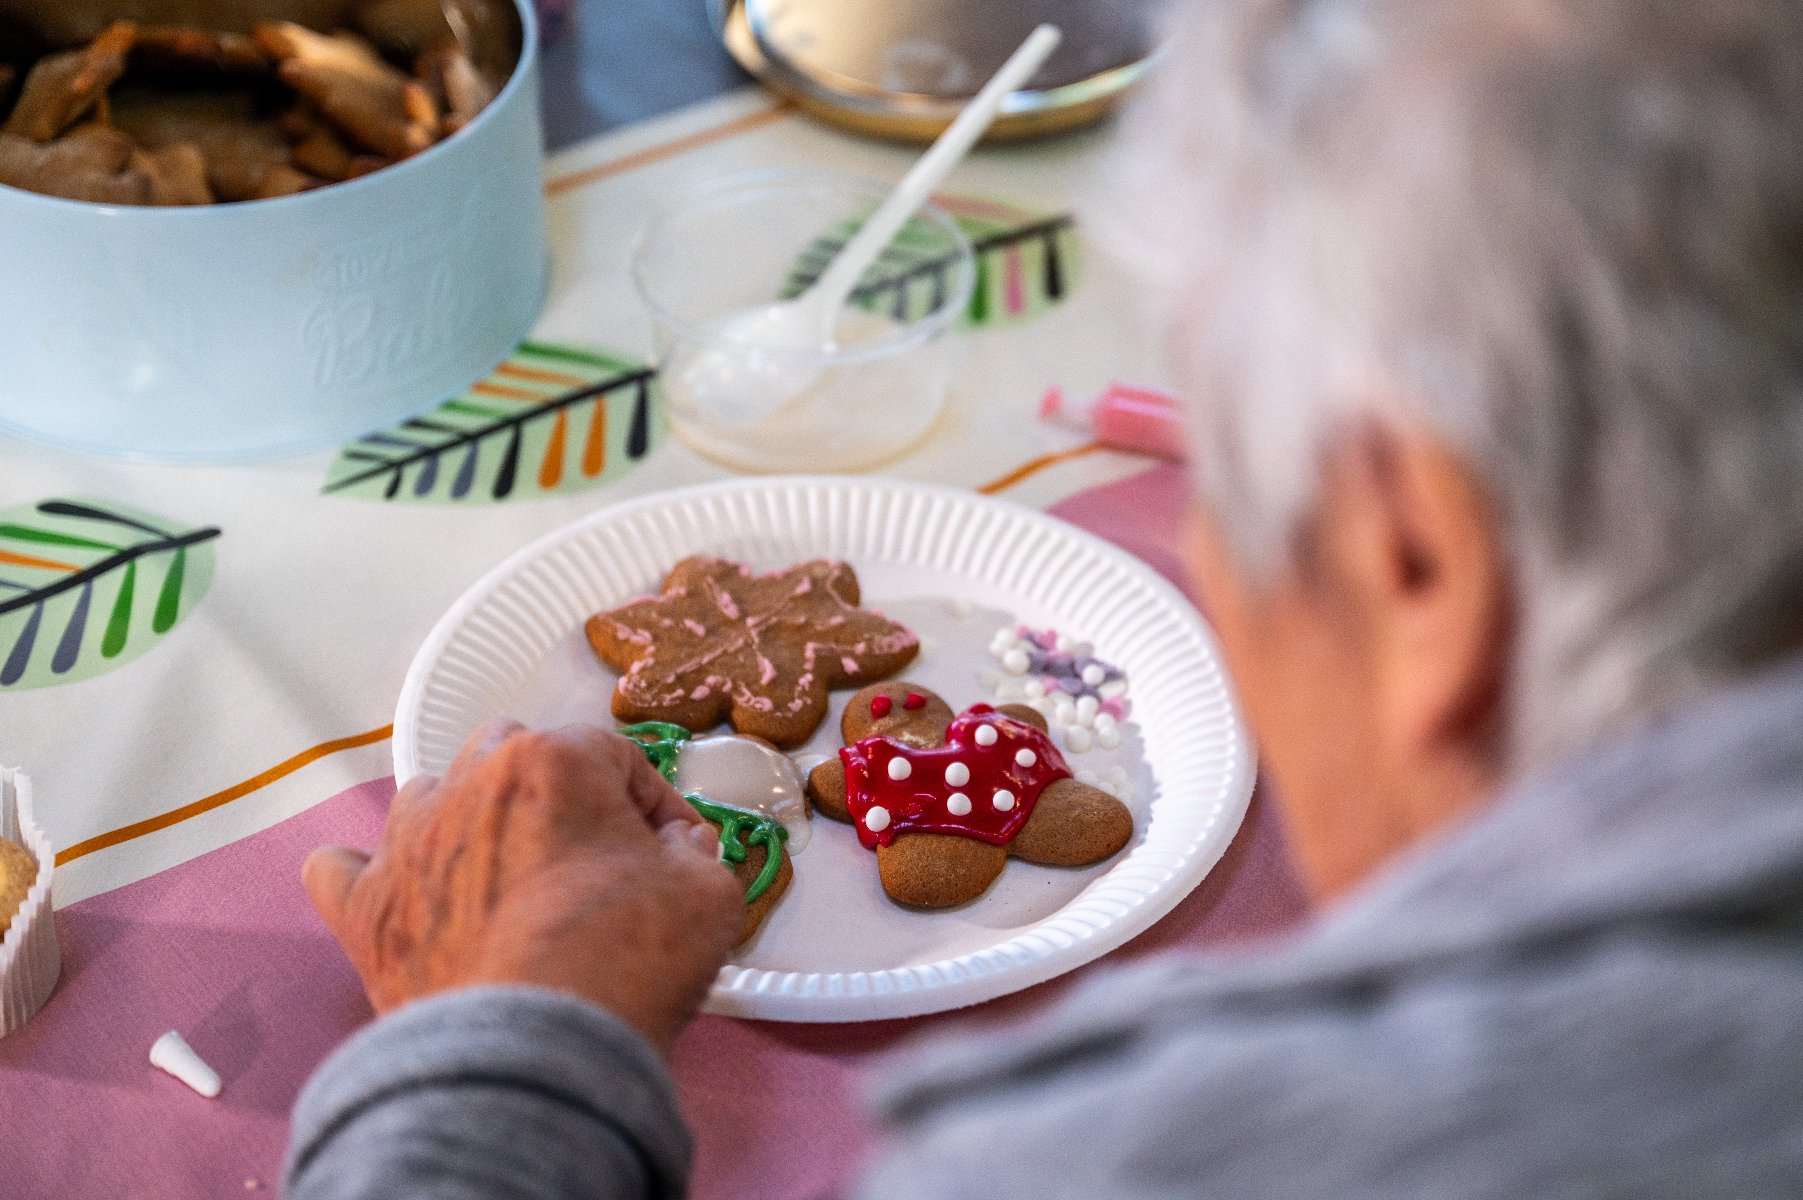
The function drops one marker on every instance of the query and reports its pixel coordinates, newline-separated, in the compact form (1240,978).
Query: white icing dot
(877,819)
(1094,675)
(1015,662)
(986,735)
(958,804)
(1109,738)
(1034,688)
(1078,739)
(1087,708)
(1003,800)
(1024,757)
(957,774)
(899,769)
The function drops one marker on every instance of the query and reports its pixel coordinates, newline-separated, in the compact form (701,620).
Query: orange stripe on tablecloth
(515,371)
(236,792)
(26,560)
(681,145)
(495,389)
(1033,467)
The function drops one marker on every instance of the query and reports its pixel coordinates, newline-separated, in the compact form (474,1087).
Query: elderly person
(1492,316)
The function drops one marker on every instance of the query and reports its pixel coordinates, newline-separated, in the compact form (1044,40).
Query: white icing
(899,769)
(985,735)
(1003,800)
(1025,757)
(957,775)
(747,773)
(958,804)
(877,819)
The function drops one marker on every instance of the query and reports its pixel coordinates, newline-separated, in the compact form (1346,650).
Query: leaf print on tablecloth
(88,585)
(550,420)
(1026,263)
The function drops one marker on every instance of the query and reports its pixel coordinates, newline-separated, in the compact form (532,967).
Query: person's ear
(1417,545)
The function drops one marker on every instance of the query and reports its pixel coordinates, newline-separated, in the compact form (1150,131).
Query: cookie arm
(497,1093)
(1073,825)
(826,790)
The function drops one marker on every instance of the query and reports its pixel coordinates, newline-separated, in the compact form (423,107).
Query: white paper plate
(954,567)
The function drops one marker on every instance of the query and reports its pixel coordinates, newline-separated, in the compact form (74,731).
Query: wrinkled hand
(557,859)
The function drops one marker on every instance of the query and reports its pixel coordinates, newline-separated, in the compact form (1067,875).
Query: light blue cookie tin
(249,330)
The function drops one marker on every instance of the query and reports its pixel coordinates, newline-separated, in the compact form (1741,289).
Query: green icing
(740,828)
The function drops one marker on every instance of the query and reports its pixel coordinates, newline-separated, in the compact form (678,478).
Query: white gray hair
(1565,237)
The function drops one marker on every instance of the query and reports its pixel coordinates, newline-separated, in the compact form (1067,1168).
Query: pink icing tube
(1142,420)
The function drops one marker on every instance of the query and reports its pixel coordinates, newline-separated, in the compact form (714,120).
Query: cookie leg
(758,909)
(1073,825)
(938,870)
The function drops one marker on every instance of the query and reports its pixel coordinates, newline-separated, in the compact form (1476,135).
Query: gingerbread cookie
(371,102)
(62,88)
(751,841)
(723,643)
(944,801)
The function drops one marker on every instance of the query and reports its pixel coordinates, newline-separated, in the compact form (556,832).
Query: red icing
(914,700)
(918,803)
(880,706)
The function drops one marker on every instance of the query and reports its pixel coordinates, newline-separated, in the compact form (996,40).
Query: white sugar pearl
(1065,710)
(1078,739)
(1104,720)
(957,775)
(958,804)
(1113,688)
(1003,800)
(1112,788)
(985,735)
(1025,757)
(1093,675)
(877,819)
(1088,776)
(1001,643)
(1015,662)
(1087,708)
(900,768)
(1034,688)
(1040,705)
(1109,738)
(1065,643)
(1116,776)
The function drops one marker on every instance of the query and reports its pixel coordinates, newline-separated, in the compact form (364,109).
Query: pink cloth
(227,950)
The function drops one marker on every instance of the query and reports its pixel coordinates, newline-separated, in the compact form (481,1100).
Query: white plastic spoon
(740,387)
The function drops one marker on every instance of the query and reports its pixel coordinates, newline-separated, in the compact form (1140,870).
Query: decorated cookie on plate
(749,790)
(723,643)
(945,799)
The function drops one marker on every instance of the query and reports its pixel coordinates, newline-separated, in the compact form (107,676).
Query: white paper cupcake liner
(29,958)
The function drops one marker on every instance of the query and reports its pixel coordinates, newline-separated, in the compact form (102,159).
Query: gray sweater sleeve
(497,1093)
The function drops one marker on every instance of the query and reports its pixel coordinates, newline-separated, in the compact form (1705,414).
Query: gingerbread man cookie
(752,840)
(944,801)
(724,643)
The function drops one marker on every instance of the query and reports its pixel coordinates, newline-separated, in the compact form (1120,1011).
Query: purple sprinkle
(1071,684)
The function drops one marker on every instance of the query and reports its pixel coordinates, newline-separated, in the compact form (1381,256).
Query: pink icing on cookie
(891,788)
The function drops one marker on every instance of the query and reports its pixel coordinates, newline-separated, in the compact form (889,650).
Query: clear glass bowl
(748,240)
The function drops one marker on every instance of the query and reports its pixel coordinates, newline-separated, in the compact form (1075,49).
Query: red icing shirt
(981,784)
